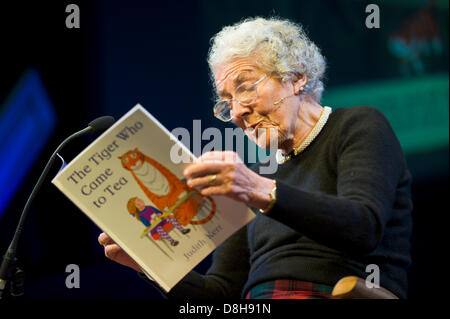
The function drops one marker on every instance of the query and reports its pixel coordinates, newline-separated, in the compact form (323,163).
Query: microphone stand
(8,269)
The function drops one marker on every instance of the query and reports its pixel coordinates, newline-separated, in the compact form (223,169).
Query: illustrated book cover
(128,184)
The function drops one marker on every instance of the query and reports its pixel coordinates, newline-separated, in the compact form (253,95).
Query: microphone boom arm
(9,260)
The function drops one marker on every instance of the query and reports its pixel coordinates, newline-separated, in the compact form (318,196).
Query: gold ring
(212,179)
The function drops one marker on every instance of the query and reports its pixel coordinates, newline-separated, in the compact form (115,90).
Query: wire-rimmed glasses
(245,94)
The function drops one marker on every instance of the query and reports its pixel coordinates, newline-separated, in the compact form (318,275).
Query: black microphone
(8,267)
(101,124)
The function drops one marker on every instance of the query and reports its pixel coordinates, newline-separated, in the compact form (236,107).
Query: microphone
(101,124)
(8,267)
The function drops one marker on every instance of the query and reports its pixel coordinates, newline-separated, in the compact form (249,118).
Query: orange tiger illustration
(163,188)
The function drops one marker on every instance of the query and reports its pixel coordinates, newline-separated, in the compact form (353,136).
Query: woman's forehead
(235,69)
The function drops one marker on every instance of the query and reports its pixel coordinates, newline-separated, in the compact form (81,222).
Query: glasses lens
(246,93)
(222,111)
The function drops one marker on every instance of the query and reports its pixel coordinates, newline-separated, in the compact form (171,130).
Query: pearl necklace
(281,158)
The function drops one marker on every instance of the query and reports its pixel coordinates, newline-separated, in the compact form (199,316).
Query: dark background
(129,52)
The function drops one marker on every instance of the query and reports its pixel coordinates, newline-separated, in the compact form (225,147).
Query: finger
(203,168)
(205,181)
(218,156)
(117,254)
(114,252)
(104,239)
(215,190)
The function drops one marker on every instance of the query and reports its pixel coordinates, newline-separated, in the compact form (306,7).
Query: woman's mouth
(254,127)
(257,129)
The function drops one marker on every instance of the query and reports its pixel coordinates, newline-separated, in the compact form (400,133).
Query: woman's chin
(266,138)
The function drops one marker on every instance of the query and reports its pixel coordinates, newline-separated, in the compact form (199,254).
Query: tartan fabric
(290,289)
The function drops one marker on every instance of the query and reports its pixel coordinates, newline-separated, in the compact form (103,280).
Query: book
(127,183)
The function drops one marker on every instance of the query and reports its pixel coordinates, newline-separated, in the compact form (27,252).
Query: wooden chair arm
(353,287)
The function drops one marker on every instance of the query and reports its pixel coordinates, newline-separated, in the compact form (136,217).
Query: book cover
(127,184)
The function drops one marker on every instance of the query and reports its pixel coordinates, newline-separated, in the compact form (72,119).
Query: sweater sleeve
(144,221)
(224,279)
(368,168)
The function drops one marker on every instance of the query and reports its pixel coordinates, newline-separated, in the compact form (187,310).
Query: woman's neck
(308,114)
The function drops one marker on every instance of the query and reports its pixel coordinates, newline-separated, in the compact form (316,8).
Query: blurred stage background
(55,80)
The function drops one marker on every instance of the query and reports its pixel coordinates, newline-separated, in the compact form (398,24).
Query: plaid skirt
(290,289)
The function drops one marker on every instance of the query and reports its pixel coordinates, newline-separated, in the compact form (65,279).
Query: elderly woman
(340,199)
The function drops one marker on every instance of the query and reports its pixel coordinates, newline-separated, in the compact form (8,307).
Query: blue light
(26,122)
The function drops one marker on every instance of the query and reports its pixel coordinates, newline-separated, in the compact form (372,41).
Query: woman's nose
(239,110)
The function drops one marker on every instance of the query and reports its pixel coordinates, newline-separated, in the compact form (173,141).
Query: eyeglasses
(245,94)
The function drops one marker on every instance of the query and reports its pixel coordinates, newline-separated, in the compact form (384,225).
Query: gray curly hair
(280,45)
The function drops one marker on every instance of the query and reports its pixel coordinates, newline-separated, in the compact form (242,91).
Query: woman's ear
(299,81)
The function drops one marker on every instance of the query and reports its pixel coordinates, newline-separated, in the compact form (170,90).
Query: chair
(352,287)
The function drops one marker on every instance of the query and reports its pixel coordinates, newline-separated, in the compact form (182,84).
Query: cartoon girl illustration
(149,214)
(164,189)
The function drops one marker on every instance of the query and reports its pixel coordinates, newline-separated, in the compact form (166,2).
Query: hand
(115,253)
(224,173)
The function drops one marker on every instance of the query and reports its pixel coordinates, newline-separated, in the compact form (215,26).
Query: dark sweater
(342,204)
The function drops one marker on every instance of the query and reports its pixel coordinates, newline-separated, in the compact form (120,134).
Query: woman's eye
(125,159)
(133,155)
(244,87)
